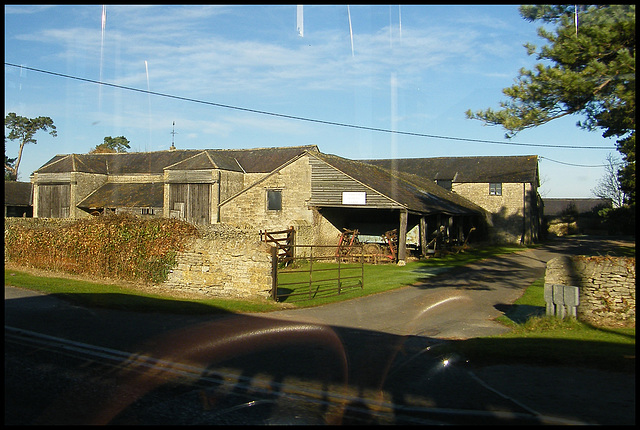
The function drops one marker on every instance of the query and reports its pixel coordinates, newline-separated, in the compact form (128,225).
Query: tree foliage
(8,166)
(587,69)
(111,145)
(23,129)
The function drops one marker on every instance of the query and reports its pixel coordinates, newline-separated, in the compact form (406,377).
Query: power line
(577,165)
(298,118)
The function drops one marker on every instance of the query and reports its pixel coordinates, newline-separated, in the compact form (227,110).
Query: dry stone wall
(606,284)
(226,262)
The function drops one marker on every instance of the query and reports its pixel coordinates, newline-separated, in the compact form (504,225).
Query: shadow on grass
(609,356)
(519,314)
(134,303)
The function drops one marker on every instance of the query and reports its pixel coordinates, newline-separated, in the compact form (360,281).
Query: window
(147,211)
(495,188)
(444,183)
(274,200)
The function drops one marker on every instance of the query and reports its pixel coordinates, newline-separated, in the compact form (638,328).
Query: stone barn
(318,194)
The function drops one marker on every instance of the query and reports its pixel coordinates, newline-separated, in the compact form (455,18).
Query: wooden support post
(274,273)
(423,236)
(402,237)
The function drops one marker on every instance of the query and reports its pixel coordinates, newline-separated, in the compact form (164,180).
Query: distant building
(554,207)
(17,199)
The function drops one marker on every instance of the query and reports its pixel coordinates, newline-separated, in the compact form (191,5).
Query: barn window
(147,211)
(274,200)
(495,189)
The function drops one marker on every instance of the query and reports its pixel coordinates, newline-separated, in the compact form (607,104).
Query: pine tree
(588,69)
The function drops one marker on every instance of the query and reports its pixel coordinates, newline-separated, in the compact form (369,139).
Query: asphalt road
(367,360)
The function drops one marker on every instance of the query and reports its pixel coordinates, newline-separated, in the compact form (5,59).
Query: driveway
(459,304)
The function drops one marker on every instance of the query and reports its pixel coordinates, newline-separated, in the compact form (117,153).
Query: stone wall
(607,287)
(226,262)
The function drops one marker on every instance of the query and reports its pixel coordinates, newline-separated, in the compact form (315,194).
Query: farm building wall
(250,209)
(507,222)
(83,184)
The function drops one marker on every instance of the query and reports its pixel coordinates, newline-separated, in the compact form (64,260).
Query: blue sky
(249,77)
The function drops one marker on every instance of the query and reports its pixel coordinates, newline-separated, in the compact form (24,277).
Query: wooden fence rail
(283,244)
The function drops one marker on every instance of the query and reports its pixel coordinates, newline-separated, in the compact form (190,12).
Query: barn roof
(259,160)
(17,193)
(414,192)
(504,169)
(265,160)
(125,195)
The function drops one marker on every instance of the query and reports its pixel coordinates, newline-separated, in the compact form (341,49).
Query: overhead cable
(298,118)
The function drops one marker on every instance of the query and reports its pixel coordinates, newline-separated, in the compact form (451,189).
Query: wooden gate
(283,241)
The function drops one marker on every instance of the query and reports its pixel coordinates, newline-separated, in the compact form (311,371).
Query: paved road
(382,342)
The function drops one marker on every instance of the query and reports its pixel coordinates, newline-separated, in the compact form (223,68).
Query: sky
(358,81)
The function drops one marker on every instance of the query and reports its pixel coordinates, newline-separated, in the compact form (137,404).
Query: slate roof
(414,192)
(260,160)
(17,193)
(116,163)
(504,169)
(555,206)
(125,195)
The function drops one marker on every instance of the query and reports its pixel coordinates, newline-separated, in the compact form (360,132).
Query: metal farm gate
(314,276)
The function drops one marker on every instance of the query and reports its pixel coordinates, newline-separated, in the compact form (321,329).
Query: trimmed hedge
(115,246)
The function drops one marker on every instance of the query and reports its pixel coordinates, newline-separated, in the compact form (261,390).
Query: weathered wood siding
(191,202)
(328,185)
(54,200)
(191,176)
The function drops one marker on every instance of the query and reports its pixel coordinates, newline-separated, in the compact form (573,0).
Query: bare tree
(609,185)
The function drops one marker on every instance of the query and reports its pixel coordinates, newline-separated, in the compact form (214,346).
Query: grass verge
(540,340)
(120,297)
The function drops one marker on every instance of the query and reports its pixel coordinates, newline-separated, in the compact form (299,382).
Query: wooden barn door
(54,201)
(199,203)
(190,202)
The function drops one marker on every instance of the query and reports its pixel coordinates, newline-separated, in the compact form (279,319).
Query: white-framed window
(495,188)
(274,200)
(147,211)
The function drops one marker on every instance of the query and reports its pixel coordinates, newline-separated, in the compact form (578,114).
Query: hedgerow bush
(114,246)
